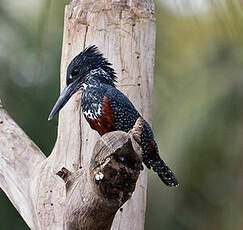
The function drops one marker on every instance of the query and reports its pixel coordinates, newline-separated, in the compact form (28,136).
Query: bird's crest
(91,58)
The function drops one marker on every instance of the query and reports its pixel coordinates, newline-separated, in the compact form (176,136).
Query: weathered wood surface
(96,192)
(19,157)
(125,32)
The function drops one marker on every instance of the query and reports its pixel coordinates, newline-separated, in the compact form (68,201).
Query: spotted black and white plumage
(106,108)
(125,116)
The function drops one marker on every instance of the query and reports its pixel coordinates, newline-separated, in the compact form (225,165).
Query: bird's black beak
(63,98)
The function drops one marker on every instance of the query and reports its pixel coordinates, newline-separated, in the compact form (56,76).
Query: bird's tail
(152,159)
(164,172)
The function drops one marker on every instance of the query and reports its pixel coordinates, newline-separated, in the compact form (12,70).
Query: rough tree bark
(124,30)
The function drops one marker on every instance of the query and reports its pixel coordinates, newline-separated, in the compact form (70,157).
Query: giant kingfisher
(107,109)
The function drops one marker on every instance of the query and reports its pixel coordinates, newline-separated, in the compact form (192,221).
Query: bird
(107,109)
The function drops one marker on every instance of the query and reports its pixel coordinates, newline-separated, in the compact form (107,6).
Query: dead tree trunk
(97,179)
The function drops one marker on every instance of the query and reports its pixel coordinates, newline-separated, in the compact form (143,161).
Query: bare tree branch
(88,191)
(18,158)
(93,193)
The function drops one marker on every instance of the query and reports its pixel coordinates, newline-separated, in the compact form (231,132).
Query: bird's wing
(117,98)
(124,112)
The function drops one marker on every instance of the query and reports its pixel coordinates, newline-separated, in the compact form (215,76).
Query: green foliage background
(197,105)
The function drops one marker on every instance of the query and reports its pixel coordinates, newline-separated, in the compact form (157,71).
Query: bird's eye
(75,72)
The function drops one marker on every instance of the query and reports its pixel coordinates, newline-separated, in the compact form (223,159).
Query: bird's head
(80,70)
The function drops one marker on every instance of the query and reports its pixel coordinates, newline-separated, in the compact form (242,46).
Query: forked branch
(94,193)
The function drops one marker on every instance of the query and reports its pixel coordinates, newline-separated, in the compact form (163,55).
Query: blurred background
(197,104)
